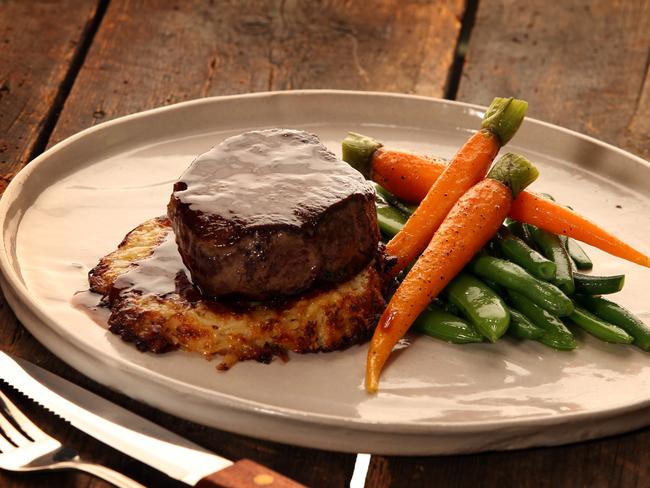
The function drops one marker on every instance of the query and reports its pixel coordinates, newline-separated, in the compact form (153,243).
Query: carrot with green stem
(408,175)
(471,223)
(527,208)
(468,167)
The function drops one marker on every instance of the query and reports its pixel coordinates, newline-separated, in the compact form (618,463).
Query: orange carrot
(467,168)
(470,224)
(549,215)
(404,174)
(555,218)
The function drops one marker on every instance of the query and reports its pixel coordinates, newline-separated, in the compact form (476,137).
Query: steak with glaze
(270,213)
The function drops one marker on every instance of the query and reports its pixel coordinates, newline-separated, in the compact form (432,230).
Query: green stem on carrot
(514,171)
(358,150)
(503,117)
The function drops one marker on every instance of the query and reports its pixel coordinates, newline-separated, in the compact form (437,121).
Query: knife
(134,435)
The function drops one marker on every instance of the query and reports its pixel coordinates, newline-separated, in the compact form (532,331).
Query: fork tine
(5,445)
(10,432)
(11,412)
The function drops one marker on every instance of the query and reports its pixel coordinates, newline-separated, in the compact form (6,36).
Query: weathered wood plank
(148,54)
(156,53)
(618,461)
(580,64)
(35,58)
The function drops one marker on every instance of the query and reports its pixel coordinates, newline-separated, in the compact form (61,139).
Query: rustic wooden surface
(68,65)
(37,62)
(581,64)
(155,53)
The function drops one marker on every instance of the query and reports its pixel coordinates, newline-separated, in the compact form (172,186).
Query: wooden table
(70,64)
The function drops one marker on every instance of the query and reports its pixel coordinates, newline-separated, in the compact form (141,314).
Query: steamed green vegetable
(480,304)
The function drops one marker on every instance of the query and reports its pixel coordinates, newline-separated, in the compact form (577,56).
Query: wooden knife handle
(247,474)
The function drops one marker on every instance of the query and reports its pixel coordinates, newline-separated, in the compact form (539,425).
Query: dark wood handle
(247,474)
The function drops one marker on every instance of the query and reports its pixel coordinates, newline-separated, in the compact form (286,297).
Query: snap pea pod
(451,308)
(517,251)
(552,247)
(598,285)
(578,254)
(443,325)
(495,287)
(514,277)
(479,304)
(556,335)
(406,208)
(390,219)
(522,327)
(599,328)
(617,315)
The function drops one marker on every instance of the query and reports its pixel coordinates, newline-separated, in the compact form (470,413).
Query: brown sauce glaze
(268,177)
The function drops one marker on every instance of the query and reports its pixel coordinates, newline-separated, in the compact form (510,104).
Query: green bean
(514,277)
(516,250)
(480,305)
(599,328)
(598,285)
(556,334)
(521,326)
(552,247)
(406,208)
(617,315)
(443,325)
(578,255)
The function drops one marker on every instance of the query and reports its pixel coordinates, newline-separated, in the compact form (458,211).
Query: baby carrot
(467,168)
(413,183)
(550,216)
(405,174)
(470,224)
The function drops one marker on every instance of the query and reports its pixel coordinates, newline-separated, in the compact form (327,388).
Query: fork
(28,448)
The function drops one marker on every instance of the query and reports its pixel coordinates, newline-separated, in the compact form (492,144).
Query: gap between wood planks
(456,70)
(64,89)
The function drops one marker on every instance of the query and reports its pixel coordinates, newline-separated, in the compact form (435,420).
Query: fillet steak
(269,214)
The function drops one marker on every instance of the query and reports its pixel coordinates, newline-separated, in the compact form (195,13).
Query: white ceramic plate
(75,202)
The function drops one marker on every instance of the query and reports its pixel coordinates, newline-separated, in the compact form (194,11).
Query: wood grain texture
(581,64)
(148,54)
(620,461)
(34,62)
(155,53)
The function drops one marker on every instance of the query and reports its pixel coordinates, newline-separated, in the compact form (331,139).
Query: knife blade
(131,434)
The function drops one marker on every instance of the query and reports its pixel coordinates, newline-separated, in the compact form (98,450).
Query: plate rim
(21,293)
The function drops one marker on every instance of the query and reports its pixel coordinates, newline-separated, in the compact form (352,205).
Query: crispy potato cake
(154,305)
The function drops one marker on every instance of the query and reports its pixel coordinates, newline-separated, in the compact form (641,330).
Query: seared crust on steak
(157,321)
(271,213)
